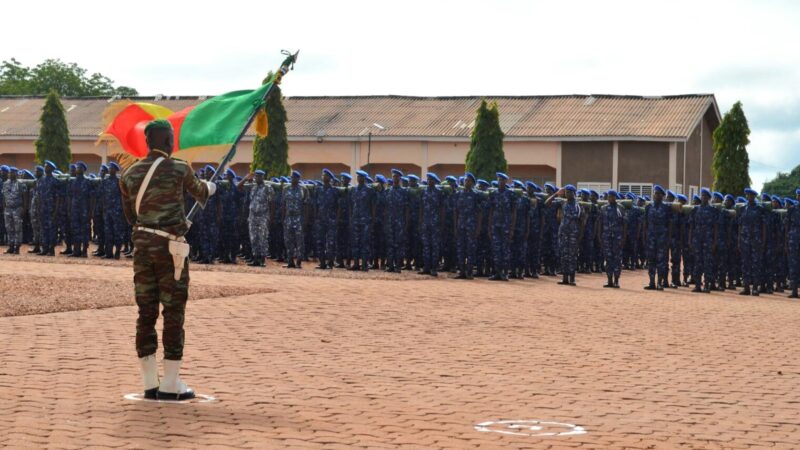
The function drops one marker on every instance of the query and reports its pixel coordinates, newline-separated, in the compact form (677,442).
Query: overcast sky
(734,49)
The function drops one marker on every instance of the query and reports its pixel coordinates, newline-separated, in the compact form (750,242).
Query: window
(677,188)
(596,185)
(640,189)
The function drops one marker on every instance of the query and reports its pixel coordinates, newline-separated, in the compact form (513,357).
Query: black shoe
(697,288)
(793,294)
(354,268)
(151,394)
(424,272)
(564,280)
(745,291)
(188,395)
(496,277)
(36,250)
(650,287)
(290,265)
(461,276)
(321,266)
(434,273)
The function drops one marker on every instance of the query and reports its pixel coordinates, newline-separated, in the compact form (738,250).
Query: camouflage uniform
(630,252)
(162,208)
(231,201)
(113,217)
(294,202)
(657,217)
(519,248)
(534,238)
(586,253)
(47,189)
(35,215)
(378,243)
(793,243)
(613,226)
(676,245)
(98,225)
(395,224)
(502,207)
(703,223)
(209,237)
(343,228)
(433,202)
(549,240)
(413,241)
(79,191)
(752,218)
(326,224)
(568,233)
(13,210)
(261,196)
(468,208)
(362,199)
(725,247)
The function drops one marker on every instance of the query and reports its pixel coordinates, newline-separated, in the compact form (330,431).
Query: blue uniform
(726,245)
(294,202)
(433,202)
(468,208)
(113,218)
(343,228)
(703,224)
(395,225)
(519,246)
(793,243)
(534,237)
(549,240)
(568,234)
(79,192)
(231,202)
(676,245)
(327,208)
(362,199)
(613,225)
(657,217)
(752,219)
(586,253)
(502,205)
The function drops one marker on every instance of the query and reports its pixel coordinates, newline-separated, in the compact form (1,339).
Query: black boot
(564,279)
(610,283)
(36,250)
(746,290)
(660,284)
(616,281)
(572,278)
(794,291)
(497,276)
(697,287)
(707,287)
(652,285)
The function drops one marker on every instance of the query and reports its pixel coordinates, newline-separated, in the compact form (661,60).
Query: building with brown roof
(596,141)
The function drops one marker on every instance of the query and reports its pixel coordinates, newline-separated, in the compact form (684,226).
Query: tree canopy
(731,163)
(485,156)
(784,183)
(66,79)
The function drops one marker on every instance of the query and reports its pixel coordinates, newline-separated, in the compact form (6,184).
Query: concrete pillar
(558,165)
(615,165)
(356,159)
(424,159)
(673,165)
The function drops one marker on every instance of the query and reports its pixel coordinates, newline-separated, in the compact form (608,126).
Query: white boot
(149,367)
(172,388)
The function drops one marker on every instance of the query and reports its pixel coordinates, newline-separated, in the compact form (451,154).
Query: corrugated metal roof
(568,116)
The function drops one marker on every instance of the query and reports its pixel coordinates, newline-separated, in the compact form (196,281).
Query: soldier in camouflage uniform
(793,244)
(657,223)
(64,223)
(113,217)
(79,191)
(519,245)
(47,193)
(260,211)
(343,256)
(468,223)
(36,221)
(549,240)
(98,225)
(448,229)
(432,204)
(230,198)
(327,221)
(502,214)
(533,259)
(725,245)
(586,247)
(702,234)
(612,231)
(378,243)
(413,241)
(752,234)
(362,214)
(484,244)
(4,169)
(397,216)
(569,233)
(211,218)
(295,198)
(159,217)
(14,193)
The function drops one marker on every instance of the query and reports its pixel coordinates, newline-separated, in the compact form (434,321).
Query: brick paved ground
(351,361)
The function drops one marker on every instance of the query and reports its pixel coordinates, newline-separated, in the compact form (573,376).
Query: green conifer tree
(485,156)
(731,164)
(53,141)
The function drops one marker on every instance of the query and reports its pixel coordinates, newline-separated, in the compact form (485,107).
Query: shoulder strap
(146,182)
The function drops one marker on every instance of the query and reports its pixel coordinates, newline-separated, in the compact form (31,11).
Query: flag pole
(286,66)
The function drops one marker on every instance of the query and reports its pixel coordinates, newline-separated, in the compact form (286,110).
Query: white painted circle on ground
(199,398)
(536,428)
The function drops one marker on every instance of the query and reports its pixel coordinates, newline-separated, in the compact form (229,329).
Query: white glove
(212,188)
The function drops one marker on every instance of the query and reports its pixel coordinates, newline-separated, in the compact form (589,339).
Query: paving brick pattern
(354,362)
